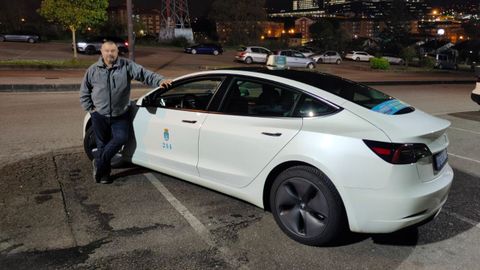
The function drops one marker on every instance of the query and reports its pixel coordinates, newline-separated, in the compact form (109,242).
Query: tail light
(399,153)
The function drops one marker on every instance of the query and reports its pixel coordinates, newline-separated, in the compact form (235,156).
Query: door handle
(189,121)
(272,134)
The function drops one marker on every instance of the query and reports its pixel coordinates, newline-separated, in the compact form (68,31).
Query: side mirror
(145,101)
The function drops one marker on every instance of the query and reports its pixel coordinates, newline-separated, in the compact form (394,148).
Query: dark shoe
(106,179)
(95,174)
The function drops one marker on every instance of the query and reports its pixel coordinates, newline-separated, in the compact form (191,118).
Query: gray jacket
(108,90)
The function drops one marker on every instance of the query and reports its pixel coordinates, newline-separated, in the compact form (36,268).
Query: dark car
(20,36)
(92,45)
(205,48)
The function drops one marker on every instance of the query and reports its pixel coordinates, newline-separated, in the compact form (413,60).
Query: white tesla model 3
(317,150)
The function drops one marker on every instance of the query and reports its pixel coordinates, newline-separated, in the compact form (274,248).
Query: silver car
(327,57)
(30,38)
(296,59)
(92,45)
(252,54)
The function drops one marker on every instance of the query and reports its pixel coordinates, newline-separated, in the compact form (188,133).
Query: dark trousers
(111,133)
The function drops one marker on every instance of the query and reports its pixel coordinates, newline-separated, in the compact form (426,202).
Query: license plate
(440,160)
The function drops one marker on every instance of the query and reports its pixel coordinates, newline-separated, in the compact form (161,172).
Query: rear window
(365,96)
(241,49)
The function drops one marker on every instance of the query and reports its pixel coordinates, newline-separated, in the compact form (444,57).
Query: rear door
(253,125)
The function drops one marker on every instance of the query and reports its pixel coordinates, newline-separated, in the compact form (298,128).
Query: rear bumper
(390,209)
(240,58)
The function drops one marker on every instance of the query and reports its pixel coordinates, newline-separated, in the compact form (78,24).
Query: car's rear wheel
(357,59)
(307,206)
(248,60)
(194,51)
(311,66)
(2,39)
(215,52)
(31,40)
(320,60)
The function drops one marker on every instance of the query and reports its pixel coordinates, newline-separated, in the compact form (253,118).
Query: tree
(329,35)
(74,14)
(241,18)
(408,53)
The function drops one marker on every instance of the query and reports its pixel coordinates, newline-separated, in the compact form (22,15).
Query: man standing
(105,94)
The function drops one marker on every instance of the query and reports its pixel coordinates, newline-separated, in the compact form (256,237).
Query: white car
(252,54)
(316,150)
(392,59)
(358,56)
(327,57)
(296,59)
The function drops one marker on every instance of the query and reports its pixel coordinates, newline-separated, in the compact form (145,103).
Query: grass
(46,64)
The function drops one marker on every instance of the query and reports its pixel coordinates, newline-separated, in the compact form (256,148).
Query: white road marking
(462,218)
(199,228)
(466,158)
(465,130)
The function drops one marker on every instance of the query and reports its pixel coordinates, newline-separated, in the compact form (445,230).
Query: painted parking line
(199,228)
(465,130)
(465,158)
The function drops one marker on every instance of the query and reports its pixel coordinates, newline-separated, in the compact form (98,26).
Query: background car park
(296,59)
(252,54)
(331,57)
(205,48)
(20,36)
(92,45)
(358,56)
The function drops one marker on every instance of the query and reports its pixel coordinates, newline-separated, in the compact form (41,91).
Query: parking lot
(52,214)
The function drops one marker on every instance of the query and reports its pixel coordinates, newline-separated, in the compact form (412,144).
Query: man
(105,94)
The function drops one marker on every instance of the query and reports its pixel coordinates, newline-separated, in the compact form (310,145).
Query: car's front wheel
(307,206)
(31,40)
(357,59)
(2,39)
(194,51)
(338,61)
(311,66)
(215,52)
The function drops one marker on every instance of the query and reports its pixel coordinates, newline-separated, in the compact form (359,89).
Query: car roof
(315,79)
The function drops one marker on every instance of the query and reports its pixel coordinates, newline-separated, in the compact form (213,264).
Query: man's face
(109,53)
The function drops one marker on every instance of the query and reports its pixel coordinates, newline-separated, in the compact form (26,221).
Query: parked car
(393,59)
(358,56)
(282,140)
(20,36)
(205,48)
(445,61)
(252,54)
(92,45)
(296,59)
(327,57)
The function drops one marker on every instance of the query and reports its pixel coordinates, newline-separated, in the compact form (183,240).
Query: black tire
(248,60)
(215,52)
(338,61)
(194,51)
(320,60)
(30,40)
(2,39)
(307,206)
(89,142)
(311,66)
(90,50)
(357,59)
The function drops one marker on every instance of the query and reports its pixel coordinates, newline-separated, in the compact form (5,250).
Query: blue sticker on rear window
(390,106)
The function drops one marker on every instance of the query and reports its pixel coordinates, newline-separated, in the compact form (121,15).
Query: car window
(299,55)
(251,98)
(194,95)
(255,50)
(286,53)
(311,107)
(241,49)
(264,51)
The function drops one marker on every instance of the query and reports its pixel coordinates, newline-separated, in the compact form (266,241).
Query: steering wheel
(188,101)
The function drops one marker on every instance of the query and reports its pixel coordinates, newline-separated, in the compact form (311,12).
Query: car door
(167,128)
(253,124)
(300,59)
(290,61)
